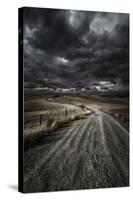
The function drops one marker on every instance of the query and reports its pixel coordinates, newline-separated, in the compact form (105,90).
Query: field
(43,114)
(71,142)
(47,113)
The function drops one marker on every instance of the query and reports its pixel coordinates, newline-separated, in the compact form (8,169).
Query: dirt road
(92,153)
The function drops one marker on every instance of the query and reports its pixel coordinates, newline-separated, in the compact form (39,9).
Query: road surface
(92,153)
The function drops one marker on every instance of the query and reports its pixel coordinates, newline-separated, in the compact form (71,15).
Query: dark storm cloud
(54,30)
(67,48)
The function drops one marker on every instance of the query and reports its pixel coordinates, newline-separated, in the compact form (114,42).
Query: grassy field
(45,113)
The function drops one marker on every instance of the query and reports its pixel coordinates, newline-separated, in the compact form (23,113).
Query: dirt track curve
(92,153)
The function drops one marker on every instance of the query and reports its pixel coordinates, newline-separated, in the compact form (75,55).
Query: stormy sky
(68,48)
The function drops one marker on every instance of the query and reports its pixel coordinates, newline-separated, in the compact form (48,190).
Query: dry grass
(53,110)
(42,116)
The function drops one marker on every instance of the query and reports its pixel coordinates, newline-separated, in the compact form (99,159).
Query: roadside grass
(49,126)
(53,116)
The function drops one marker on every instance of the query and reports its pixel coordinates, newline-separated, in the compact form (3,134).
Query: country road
(91,153)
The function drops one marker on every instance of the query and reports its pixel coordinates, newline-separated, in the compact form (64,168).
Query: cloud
(73,48)
(101,24)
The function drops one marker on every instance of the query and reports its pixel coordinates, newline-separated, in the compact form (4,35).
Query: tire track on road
(93,153)
(54,150)
(85,139)
(80,142)
(118,152)
(75,141)
(100,128)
